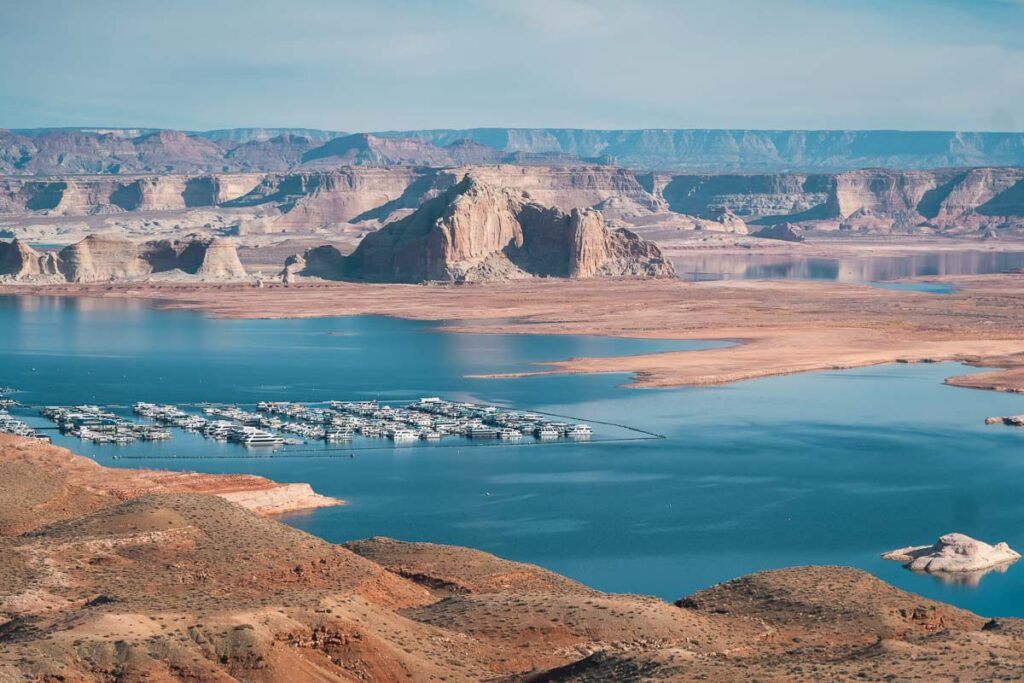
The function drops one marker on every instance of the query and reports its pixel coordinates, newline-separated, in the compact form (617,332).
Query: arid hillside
(167,582)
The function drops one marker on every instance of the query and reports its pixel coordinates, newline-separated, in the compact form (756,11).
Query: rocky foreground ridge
(114,151)
(102,258)
(174,584)
(478,232)
(873,201)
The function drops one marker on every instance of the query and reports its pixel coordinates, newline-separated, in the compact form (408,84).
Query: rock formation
(279,153)
(20,261)
(865,219)
(954,553)
(948,200)
(475,231)
(99,258)
(91,195)
(1009,420)
(961,200)
(787,232)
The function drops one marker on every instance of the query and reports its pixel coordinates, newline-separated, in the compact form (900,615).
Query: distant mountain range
(62,151)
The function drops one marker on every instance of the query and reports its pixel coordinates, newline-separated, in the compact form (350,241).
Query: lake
(863,269)
(831,467)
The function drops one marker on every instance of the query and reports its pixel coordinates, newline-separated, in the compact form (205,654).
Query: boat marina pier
(277,424)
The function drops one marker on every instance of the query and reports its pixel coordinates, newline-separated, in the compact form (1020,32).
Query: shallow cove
(830,467)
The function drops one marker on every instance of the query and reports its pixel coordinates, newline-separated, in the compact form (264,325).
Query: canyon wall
(90,195)
(873,200)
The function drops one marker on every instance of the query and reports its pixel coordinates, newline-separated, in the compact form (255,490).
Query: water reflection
(845,268)
(965,579)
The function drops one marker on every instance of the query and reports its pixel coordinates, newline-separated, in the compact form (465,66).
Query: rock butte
(476,232)
(157,584)
(954,553)
(102,258)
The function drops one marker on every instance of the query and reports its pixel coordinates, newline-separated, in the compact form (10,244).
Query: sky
(405,64)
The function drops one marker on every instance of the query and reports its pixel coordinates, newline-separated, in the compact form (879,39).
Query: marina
(10,424)
(276,424)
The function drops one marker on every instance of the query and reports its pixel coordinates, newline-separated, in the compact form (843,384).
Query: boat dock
(283,423)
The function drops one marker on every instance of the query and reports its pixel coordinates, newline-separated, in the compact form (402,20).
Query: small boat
(482,432)
(579,431)
(546,432)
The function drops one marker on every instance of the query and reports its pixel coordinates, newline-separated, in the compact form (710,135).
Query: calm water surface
(830,467)
(872,269)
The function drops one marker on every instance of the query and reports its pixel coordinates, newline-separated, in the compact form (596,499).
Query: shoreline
(254,493)
(778,327)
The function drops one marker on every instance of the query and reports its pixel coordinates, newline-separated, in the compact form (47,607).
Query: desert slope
(53,478)
(175,586)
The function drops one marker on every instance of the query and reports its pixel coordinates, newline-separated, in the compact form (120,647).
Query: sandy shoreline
(257,494)
(782,327)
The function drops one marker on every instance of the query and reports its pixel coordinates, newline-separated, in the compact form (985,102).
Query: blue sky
(394,64)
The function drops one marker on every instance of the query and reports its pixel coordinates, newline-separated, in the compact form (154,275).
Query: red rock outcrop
(475,231)
(20,261)
(99,258)
(787,232)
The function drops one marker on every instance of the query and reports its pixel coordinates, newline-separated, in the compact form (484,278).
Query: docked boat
(338,435)
(546,432)
(253,437)
(402,435)
(579,431)
(482,432)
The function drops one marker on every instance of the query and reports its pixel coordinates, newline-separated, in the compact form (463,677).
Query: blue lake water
(830,467)
(874,270)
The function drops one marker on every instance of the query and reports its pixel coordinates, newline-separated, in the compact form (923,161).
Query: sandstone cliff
(88,195)
(475,231)
(944,200)
(20,261)
(877,200)
(99,258)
